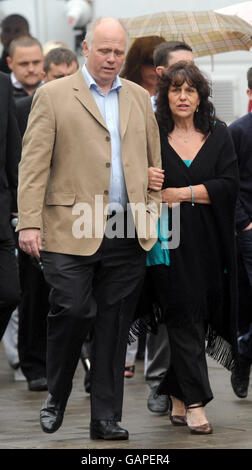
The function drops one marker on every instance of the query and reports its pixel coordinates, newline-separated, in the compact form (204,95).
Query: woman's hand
(171,196)
(155,178)
(184,194)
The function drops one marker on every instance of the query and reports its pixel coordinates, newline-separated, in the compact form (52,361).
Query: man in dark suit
(10,151)
(241,134)
(34,306)
(25,58)
(26,63)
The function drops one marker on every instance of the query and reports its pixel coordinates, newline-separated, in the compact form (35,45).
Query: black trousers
(244,255)
(245,249)
(187,377)
(33,311)
(99,292)
(9,282)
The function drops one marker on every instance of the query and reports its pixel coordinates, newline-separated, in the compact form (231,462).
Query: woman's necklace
(186,136)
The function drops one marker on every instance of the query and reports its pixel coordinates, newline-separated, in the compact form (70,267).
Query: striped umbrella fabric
(206,32)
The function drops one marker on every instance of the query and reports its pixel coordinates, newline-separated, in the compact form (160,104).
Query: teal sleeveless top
(159,253)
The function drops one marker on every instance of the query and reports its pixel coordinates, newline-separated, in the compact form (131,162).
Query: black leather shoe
(108,430)
(158,403)
(37,385)
(51,415)
(240,377)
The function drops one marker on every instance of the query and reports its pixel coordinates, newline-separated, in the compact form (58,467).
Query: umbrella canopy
(206,32)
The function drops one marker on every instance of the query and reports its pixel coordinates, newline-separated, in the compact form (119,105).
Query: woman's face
(183,100)
(148,76)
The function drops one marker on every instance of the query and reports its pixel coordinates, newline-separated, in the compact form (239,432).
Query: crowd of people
(133,213)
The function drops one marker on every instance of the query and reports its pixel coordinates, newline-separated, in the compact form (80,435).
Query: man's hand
(155,178)
(30,241)
(249,226)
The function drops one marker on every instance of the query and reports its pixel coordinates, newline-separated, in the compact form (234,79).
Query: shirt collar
(117,84)
(17,84)
(15,81)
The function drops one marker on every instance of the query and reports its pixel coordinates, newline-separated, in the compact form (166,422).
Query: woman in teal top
(197,298)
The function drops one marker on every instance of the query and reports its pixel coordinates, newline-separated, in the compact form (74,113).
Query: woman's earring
(197,109)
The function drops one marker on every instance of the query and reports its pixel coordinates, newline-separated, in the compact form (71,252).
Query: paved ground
(20,429)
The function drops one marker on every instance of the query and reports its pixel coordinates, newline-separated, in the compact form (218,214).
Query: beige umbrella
(206,32)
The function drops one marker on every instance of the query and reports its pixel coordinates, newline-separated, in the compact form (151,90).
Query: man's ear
(249,93)
(9,62)
(43,75)
(159,70)
(85,49)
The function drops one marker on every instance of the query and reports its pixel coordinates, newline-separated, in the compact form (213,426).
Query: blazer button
(107,164)
(106,192)
(107,138)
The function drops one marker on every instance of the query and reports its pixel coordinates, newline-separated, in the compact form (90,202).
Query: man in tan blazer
(84,170)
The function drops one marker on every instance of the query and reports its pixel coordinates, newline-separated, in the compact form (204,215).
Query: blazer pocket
(60,199)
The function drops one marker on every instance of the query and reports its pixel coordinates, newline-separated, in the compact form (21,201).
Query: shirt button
(106,192)
(107,164)
(107,138)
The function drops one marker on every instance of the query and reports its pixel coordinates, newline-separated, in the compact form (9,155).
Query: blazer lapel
(84,95)
(124,108)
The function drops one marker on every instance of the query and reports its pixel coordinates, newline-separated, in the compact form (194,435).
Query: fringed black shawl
(201,282)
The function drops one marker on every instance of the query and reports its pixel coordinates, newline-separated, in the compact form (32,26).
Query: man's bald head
(102,21)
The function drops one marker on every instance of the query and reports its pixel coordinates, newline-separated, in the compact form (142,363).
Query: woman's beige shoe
(205,428)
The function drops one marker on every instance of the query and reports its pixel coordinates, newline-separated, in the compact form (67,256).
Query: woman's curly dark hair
(176,75)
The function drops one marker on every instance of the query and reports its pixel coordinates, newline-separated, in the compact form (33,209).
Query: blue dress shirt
(109,108)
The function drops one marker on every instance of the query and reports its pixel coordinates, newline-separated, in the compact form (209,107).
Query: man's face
(27,65)
(60,70)
(107,52)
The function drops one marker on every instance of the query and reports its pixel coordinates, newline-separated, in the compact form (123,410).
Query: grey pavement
(230,416)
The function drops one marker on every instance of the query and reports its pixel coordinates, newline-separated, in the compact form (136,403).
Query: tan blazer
(66,162)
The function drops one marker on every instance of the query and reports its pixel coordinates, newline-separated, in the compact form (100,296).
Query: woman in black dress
(195,283)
